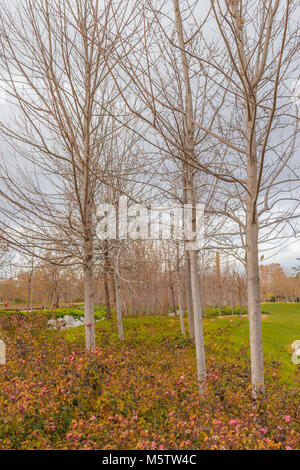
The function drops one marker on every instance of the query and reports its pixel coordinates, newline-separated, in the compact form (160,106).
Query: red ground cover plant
(139,395)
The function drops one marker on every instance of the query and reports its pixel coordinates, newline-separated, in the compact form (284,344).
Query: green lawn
(228,334)
(280,329)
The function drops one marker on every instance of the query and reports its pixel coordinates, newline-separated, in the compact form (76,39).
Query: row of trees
(277,285)
(161,101)
(148,288)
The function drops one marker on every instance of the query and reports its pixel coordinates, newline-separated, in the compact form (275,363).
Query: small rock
(66,322)
(2,353)
(296,354)
(295,345)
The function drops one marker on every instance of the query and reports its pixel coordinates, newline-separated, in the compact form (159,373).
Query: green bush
(76,312)
(3,313)
(211,312)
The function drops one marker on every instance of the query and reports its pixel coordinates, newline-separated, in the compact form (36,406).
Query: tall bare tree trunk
(240,296)
(119,306)
(187,267)
(172,288)
(220,293)
(190,196)
(189,299)
(89,316)
(29,291)
(252,264)
(107,298)
(198,322)
(254,311)
(106,284)
(113,289)
(55,291)
(180,301)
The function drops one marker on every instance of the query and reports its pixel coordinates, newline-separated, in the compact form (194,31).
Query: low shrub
(141,394)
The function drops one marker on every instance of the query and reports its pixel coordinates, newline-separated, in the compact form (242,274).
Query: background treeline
(151,291)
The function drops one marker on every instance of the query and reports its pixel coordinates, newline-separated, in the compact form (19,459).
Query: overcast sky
(286,255)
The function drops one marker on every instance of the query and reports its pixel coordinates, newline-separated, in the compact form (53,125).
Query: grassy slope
(280,329)
(149,387)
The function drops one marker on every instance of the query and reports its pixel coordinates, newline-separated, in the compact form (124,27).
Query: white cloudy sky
(287,255)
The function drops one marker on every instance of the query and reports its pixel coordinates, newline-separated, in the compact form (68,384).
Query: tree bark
(119,306)
(190,196)
(106,284)
(29,291)
(240,296)
(188,289)
(107,299)
(252,265)
(180,302)
(89,316)
(220,293)
(254,308)
(198,323)
(172,288)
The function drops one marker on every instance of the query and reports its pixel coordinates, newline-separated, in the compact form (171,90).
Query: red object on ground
(5,304)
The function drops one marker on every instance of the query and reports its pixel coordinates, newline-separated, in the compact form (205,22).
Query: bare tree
(161,79)
(58,51)
(248,69)
(259,45)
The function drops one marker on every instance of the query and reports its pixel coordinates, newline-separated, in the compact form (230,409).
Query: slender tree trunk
(165,302)
(180,302)
(30,288)
(89,316)
(119,306)
(254,309)
(106,284)
(132,304)
(55,292)
(240,298)
(196,296)
(29,292)
(189,299)
(253,280)
(199,338)
(107,299)
(52,303)
(57,301)
(113,289)
(220,293)
(172,289)
(190,195)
